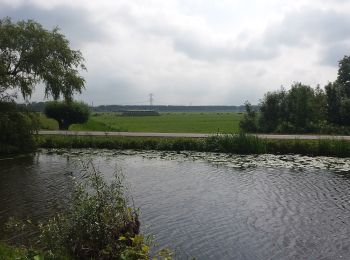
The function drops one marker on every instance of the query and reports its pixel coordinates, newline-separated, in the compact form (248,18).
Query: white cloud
(199,51)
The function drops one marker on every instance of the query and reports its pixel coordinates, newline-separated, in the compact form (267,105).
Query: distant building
(140,113)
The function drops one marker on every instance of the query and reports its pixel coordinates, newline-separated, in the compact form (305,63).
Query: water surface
(210,206)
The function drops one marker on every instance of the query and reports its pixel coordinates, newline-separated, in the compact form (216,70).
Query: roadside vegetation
(227,143)
(303,109)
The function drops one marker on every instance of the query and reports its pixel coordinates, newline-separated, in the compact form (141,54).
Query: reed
(227,143)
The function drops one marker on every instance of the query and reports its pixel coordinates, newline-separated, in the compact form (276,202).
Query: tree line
(303,109)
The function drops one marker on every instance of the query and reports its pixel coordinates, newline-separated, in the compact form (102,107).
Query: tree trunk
(62,125)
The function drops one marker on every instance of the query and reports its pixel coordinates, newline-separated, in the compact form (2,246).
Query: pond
(204,205)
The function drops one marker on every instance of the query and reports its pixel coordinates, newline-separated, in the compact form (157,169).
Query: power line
(151,100)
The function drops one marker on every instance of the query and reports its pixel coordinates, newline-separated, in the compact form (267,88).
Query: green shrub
(232,143)
(98,225)
(16,129)
(249,122)
(67,113)
(11,252)
(228,143)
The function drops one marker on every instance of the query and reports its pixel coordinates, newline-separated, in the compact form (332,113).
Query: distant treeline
(117,108)
(39,107)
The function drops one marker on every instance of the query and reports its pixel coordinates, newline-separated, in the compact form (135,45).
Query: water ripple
(206,205)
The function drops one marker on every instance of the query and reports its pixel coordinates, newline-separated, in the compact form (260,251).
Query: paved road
(188,135)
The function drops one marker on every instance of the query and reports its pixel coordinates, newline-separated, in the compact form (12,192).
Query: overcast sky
(198,52)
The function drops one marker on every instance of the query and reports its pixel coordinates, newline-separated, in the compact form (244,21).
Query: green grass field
(166,123)
(47,123)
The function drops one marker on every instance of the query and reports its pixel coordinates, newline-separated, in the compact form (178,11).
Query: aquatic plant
(232,143)
(226,143)
(99,223)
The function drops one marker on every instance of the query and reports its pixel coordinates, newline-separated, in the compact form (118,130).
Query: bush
(67,113)
(249,121)
(16,129)
(11,252)
(98,225)
(240,144)
(301,109)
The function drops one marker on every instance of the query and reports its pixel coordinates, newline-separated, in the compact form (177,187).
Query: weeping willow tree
(32,55)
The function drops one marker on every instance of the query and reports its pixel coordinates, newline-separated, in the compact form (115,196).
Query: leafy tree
(271,108)
(345,112)
(300,107)
(343,79)
(67,113)
(30,54)
(338,95)
(16,129)
(304,109)
(249,121)
(333,103)
(320,104)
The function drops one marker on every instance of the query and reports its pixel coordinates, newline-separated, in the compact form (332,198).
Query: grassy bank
(238,144)
(166,122)
(11,252)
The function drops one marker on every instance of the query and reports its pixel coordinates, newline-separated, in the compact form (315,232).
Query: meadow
(165,123)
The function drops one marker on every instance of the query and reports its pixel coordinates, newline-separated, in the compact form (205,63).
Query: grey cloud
(195,49)
(109,88)
(187,41)
(328,29)
(334,52)
(298,27)
(75,23)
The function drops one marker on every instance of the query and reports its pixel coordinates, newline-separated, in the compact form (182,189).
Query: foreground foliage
(8,252)
(99,225)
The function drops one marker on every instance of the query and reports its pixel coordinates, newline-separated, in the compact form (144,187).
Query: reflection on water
(211,206)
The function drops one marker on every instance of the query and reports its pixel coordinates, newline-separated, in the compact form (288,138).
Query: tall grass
(241,143)
(227,143)
(321,147)
(12,252)
(173,144)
